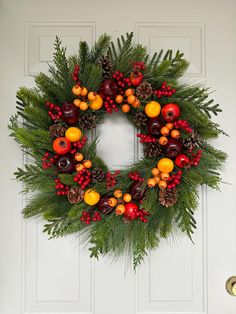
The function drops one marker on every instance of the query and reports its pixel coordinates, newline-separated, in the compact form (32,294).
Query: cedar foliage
(29,127)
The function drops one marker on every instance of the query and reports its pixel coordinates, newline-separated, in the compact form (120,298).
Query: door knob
(231,285)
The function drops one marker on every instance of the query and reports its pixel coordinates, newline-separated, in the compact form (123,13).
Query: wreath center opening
(116,141)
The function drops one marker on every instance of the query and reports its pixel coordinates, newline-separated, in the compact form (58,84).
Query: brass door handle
(231,285)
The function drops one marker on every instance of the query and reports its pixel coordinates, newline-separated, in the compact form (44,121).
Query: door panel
(57,276)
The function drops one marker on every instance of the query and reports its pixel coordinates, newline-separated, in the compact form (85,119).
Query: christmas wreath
(124,211)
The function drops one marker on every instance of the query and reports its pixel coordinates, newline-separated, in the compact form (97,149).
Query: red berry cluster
(54,111)
(86,217)
(110,105)
(61,188)
(76,74)
(138,66)
(111,178)
(48,160)
(78,145)
(83,177)
(194,161)
(145,138)
(121,81)
(165,90)
(183,124)
(135,176)
(174,180)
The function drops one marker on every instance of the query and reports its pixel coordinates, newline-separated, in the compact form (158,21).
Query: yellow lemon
(91,197)
(152,109)
(73,134)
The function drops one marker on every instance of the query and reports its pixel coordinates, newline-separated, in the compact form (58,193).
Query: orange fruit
(136,104)
(152,109)
(119,99)
(163,140)
(79,167)
(118,193)
(76,90)
(170,125)
(162,184)
(165,131)
(77,102)
(127,197)
(165,176)
(129,92)
(79,157)
(91,96)
(87,164)
(165,165)
(157,179)
(131,99)
(112,201)
(84,91)
(151,182)
(73,134)
(175,133)
(83,105)
(155,172)
(97,103)
(125,108)
(91,197)
(120,209)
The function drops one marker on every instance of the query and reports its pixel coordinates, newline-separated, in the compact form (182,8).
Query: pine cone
(144,90)
(87,121)
(75,195)
(106,66)
(57,130)
(97,175)
(152,150)
(140,119)
(168,197)
(192,141)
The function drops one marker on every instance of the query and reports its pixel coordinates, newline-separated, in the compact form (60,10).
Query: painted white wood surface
(40,276)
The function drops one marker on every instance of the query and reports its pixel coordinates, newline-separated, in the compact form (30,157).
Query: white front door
(40,276)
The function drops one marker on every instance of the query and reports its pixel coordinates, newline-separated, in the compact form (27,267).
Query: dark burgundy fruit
(70,113)
(154,126)
(65,164)
(103,205)
(137,190)
(173,147)
(109,88)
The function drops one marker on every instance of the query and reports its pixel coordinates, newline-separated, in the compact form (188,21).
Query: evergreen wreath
(126,211)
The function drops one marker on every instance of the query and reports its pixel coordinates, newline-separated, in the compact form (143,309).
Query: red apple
(181,161)
(65,164)
(109,88)
(173,147)
(131,210)
(70,113)
(170,112)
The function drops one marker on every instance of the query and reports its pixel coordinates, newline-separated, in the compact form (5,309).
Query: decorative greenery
(162,207)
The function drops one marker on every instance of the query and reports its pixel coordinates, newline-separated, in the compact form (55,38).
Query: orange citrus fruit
(91,197)
(73,134)
(165,165)
(152,109)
